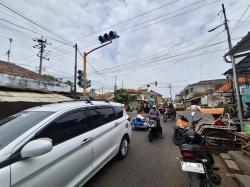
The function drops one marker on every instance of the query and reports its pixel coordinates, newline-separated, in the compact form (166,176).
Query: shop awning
(33,97)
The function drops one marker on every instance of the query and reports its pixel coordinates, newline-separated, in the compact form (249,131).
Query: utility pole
(234,69)
(115,87)
(170,90)
(75,70)
(8,52)
(43,53)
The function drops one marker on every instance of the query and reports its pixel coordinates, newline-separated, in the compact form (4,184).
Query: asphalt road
(146,165)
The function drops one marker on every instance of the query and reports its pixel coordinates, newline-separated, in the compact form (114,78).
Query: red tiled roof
(108,96)
(13,69)
(139,91)
(227,86)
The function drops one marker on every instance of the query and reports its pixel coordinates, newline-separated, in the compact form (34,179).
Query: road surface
(147,164)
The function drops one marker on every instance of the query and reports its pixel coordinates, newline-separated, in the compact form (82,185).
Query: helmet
(154,106)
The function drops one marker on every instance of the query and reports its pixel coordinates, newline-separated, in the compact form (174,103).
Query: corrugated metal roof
(241,46)
(7,96)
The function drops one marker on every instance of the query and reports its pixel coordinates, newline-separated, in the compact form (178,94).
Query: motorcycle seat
(191,147)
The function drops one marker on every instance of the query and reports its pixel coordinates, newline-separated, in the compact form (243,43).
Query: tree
(68,82)
(122,96)
(51,77)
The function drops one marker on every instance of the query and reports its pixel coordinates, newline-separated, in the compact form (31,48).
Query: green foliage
(122,96)
(180,107)
(51,77)
(68,82)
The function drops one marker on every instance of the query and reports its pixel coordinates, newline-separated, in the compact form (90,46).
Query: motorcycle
(182,126)
(198,162)
(153,130)
(169,114)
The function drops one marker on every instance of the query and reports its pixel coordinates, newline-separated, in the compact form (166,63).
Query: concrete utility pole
(115,87)
(236,84)
(8,52)
(170,90)
(42,44)
(75,70)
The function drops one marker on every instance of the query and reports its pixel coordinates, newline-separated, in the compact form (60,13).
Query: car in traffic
(62,144)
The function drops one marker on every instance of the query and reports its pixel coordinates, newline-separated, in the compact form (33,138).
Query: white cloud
(83,21)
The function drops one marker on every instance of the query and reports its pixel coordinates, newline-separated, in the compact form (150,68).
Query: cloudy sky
(161,40)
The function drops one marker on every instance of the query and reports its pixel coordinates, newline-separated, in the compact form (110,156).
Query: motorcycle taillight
(187,154)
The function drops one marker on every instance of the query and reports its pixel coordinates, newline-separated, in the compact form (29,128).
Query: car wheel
(123,150)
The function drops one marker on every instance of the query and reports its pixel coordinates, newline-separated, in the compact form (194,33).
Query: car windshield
(15,125)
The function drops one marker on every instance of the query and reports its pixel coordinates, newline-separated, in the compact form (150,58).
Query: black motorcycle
(198,161)
(153,130)
(179,132)
(169,114)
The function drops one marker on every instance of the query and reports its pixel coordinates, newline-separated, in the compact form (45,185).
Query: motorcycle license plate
(192,167)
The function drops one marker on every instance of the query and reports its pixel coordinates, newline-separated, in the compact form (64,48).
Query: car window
(65,127)
(100,116)
(15,125)
(118,111)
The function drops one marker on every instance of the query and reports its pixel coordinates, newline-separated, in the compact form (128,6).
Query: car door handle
(116,124)
(86,140)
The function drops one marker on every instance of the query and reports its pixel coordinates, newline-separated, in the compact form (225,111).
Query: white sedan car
(62,144)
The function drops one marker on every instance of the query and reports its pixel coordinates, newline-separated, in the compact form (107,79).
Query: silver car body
(70,163)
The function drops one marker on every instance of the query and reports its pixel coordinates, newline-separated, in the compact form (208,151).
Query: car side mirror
(36,148)
(193,113)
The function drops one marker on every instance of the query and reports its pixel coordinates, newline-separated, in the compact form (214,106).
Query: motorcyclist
(155,115)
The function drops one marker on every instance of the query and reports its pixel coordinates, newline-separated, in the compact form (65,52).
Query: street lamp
(106,39)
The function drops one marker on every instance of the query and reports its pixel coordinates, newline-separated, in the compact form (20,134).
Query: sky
(162,40)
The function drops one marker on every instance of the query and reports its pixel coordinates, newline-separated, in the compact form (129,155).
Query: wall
(17,82)
(14,107)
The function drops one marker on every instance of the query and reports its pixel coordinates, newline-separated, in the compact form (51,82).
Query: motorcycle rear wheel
(165,119)
(150,138)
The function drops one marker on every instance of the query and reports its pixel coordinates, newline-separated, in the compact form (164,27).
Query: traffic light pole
(85,54)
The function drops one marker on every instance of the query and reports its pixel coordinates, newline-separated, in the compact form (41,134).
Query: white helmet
(154,106)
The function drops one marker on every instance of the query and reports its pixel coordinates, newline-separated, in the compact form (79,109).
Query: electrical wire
(31,21)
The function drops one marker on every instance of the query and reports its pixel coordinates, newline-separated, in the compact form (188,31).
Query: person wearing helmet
(155,114)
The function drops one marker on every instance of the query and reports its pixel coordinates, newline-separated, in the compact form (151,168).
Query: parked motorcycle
(198,161)
(169,114)
(153,130)
(182,126)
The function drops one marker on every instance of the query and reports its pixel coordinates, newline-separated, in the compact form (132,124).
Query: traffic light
(80,79)
(88,84)
(108,37)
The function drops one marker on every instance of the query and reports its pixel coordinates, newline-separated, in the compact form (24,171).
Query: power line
(31,21)
(30,30)
(137,16)
(242,15)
